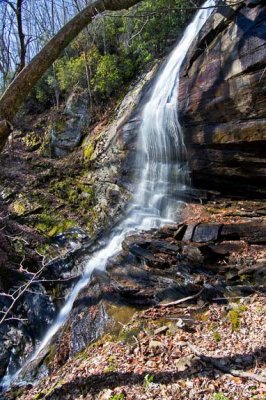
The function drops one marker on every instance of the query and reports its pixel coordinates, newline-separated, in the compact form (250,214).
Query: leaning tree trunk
(16,92)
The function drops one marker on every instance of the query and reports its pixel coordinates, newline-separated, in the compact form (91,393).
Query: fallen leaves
(162,351)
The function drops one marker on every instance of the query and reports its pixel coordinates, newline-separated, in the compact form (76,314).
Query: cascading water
(161,153)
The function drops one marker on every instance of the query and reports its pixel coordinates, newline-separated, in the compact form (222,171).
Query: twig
(223,368)
(138,33)
(13,238)
(16,319)
(174,303)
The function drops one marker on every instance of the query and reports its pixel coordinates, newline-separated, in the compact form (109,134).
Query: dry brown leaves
(157,363)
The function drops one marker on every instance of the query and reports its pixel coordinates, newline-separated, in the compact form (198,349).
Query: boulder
(206,232)
(67,131)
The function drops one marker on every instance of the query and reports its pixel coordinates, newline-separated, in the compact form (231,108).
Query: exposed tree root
(223,368)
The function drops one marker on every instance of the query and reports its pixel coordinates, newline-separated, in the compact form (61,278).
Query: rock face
(66,133)
(223,102)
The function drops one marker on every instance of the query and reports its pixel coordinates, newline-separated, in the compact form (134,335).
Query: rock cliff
(223,103)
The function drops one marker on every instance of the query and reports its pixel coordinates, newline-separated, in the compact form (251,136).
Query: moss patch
(32,141)
(53,225)
(234,316)
(19,207)
(75,192)
(88,151)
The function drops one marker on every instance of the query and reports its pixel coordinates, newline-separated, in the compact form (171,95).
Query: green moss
(128,334)
(53,225)
(234,316)
(219,396)
(119,396)
(26,203)
(88,152)
(112,365)
(61,227)
(60,125)
(75,192)
(120,314)
(216,336)
(110,368)
(45,148)
(19,246)
(50,356)
(31,141)
(38,396)
(15,393)
(52,389)
(48,249)
(148,380)
(19,207)
(243,277)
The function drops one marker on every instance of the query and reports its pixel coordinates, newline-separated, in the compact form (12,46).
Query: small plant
(148,380)
(219,396)
(216,336)
(112,367)
(117,397)
(234,316)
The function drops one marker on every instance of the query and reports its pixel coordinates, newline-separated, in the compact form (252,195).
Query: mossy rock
(25,205)
(53,225)
(32,141)
(121,314)
(74,192)
(60,126)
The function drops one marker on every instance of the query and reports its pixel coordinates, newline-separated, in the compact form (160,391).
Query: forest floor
(215,352)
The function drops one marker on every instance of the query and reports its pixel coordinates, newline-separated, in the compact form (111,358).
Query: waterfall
(161,155)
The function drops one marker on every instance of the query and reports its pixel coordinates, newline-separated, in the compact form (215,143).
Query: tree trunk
(17,91)
(21,36)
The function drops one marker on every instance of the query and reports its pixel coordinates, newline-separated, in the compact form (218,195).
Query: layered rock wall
(223,102)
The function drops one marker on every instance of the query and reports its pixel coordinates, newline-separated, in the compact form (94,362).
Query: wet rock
(39,309)
(157,267)
(4,361)
(155,253)
(15,345)
(113,194)
(126,285)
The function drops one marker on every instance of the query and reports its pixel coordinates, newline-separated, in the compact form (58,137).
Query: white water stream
(162,158)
